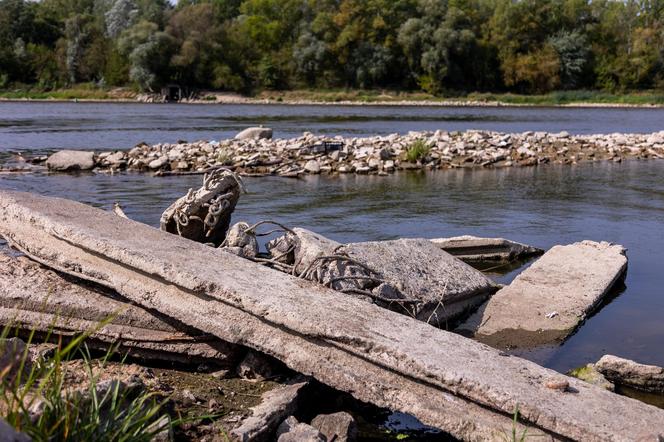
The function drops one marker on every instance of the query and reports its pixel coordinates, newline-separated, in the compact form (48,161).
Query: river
(541,206)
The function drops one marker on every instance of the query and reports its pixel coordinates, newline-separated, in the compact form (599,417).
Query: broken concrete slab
(463,387)
(443,285)
(33,297)
(291,430)
(649,378)
(204,215)
(276,405)
(546,302)
(474,249)
(340,427)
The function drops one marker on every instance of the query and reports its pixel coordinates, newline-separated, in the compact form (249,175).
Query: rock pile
(313,154)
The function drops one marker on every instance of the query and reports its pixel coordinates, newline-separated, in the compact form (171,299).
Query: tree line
(437,46)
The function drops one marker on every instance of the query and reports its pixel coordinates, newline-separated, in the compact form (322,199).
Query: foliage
(108,413)
(417,151)
(435,46)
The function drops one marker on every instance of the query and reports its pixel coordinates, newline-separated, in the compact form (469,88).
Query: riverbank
(86,93)
(378,155)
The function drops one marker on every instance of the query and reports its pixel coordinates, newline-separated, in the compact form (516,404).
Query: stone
(546,302)
(293,431)
(446,381)
(15,362)
(626,372)
(116,159)
(473,249)
(158,163)
(71,160)
(237,236)
(442,285)
(312,166)
(205,215)
(275,406)
(33,297)
(309,247)
(9,434)
(255,133)
(590,374)
(340,427)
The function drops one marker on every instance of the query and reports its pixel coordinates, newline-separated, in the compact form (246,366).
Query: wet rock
(71,160)
(379,356)
(340,427)
(254,133)
(9,434)
(549,299)
(15,363)
(291,430)
(590,374)
(473,249)
(626,372)
(276,405)
(238,237)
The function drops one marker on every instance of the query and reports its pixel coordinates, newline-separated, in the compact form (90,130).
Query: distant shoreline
(352,98)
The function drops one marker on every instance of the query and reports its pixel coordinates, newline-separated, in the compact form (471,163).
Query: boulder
(546,302)
(71,160)
(237,236)
(255,133)
(626,372)
(312,166)
(293,431)
(276,405)
(339,427)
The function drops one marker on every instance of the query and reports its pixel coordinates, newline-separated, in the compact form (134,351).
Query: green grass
(91,413)
(417,151)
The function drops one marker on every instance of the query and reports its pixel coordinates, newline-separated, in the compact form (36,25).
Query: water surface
(541,206)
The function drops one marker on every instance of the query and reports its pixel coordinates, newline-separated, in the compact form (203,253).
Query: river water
(541,206)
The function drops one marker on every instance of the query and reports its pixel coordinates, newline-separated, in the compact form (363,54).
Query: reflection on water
(621,203)
(48,126)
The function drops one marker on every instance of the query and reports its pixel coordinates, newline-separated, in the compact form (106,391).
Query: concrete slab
(546,302)
(474,249)
(33,297)
(379,356)
(649,378)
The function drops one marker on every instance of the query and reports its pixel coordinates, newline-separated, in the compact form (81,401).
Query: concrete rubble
(339,427)
(649,378)
(546,302)
(473,249)
(71,160)
(276,405)
(205,215)
(382,155)
(291,430)
(36,298)
(445,380)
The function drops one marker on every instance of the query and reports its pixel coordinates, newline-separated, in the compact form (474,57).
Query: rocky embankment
(313,154)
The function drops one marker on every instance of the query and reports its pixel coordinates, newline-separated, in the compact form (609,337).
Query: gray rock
(254,133)
(9,434)
(549,299)
(71,160)
(15,362)
(275,406)
(237,236)
(312,166)
(309,246)
(293,431)
(473,249)
(626,372)
(158,163)
(445,380)
(339,427)
(442,285)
